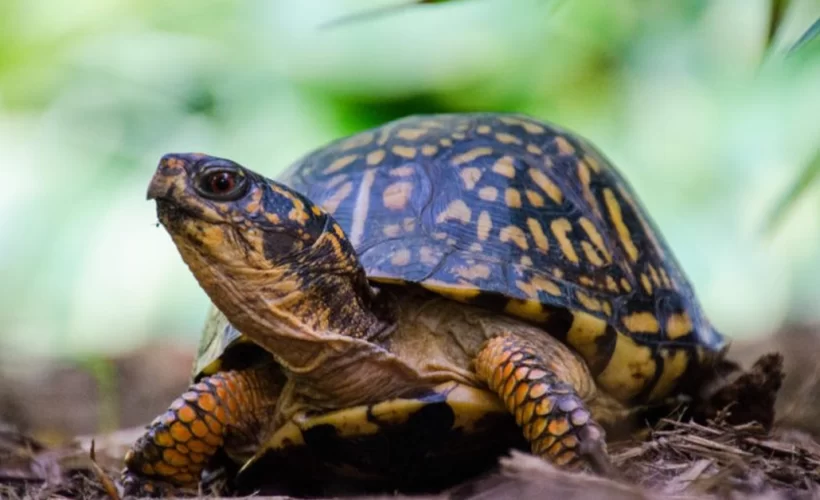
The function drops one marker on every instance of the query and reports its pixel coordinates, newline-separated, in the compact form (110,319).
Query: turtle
(405,304)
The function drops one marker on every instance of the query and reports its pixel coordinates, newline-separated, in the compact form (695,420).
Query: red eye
(221,182)
(222,185)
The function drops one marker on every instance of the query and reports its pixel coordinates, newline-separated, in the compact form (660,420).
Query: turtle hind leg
(227,410)
(547,407)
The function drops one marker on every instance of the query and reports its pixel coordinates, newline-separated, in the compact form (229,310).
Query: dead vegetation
(735,449)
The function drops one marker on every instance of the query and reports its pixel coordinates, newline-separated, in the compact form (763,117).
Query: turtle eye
(222,184)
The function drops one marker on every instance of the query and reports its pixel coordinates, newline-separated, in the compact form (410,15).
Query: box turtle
(416,299)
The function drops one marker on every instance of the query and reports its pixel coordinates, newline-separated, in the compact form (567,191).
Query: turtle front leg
(541,390)
(226,410)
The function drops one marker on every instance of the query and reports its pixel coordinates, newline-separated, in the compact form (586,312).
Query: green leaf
(812,35)
(371,14)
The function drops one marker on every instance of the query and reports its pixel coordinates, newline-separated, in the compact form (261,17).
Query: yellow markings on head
(595,237)
(513,198)
(335,243)
(428,256)
(174,163)
(532,148)
(534,198)
(560,228)
(458,292)
(471,155)
(618,221)
(611,285)
(485,225)
(375,157)
(673,367)
(586,329)
(404,152)
(391,230)
(483,129)
(546,185)
(470,176)
(647,285)
(538,236)
(254,204)
(532,310)
(641,322)
(401,257)
(588,302)
(678,325)
(564,147)
(514,234)
(298,212)
(456,210)
(542,284)
(272,217)
(409,224)
(361,207)
(505,138)
(505,166)
(488,193)
(340,163)
(477,271)
(337,197)
(429,150)
(530,127)
(397,195)
(654,275)
(591,255)
(403,171)
(357,140)
(411,134)
(446,142)
(629,370)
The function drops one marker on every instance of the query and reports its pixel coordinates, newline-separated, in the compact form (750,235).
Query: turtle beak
(171,172)
(158,187)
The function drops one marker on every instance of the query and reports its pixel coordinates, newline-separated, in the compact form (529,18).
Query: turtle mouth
(171,213)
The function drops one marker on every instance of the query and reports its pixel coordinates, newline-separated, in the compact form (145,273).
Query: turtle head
(242,221)
(278,266)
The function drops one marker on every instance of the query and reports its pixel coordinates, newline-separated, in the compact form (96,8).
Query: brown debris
(731,446)
(750,397)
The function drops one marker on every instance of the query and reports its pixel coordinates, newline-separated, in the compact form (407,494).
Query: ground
(742,450)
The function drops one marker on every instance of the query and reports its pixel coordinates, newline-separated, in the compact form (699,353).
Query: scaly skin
(227,409)
(553,417)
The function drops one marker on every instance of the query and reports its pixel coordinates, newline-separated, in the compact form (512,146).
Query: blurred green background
(710,123)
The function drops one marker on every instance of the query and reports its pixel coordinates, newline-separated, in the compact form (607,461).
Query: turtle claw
(134,485)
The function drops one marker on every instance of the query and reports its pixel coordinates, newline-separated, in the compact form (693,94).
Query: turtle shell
(516,215)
